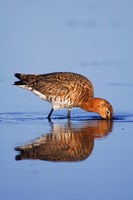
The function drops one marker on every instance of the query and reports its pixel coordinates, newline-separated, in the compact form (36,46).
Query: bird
(65,90)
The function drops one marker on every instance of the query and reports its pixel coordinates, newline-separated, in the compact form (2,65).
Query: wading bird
(65,90)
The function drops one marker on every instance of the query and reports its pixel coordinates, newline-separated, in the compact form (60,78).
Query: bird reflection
(66,141)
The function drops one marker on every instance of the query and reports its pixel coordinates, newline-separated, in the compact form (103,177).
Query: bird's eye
(108,112)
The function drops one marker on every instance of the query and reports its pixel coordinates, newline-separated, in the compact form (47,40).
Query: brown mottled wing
(59,83)
(52,84)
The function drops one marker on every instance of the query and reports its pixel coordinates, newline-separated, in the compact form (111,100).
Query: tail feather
(19,83)
(25,79)
(19,76)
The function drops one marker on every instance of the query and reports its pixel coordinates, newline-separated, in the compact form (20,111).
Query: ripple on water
(13,117)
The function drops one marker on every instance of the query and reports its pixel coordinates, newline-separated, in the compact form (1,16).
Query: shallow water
(85,157)
(82,156)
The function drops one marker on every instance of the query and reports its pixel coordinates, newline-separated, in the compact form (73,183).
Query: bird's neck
(92,105)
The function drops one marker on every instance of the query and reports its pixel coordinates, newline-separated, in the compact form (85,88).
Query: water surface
(86,153)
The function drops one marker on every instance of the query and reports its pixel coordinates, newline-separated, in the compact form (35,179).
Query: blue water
(93,38)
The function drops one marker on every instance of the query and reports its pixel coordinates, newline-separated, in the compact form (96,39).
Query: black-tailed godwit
(65,90)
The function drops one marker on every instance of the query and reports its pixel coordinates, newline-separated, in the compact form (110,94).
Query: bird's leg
(69,113)
(50,113)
